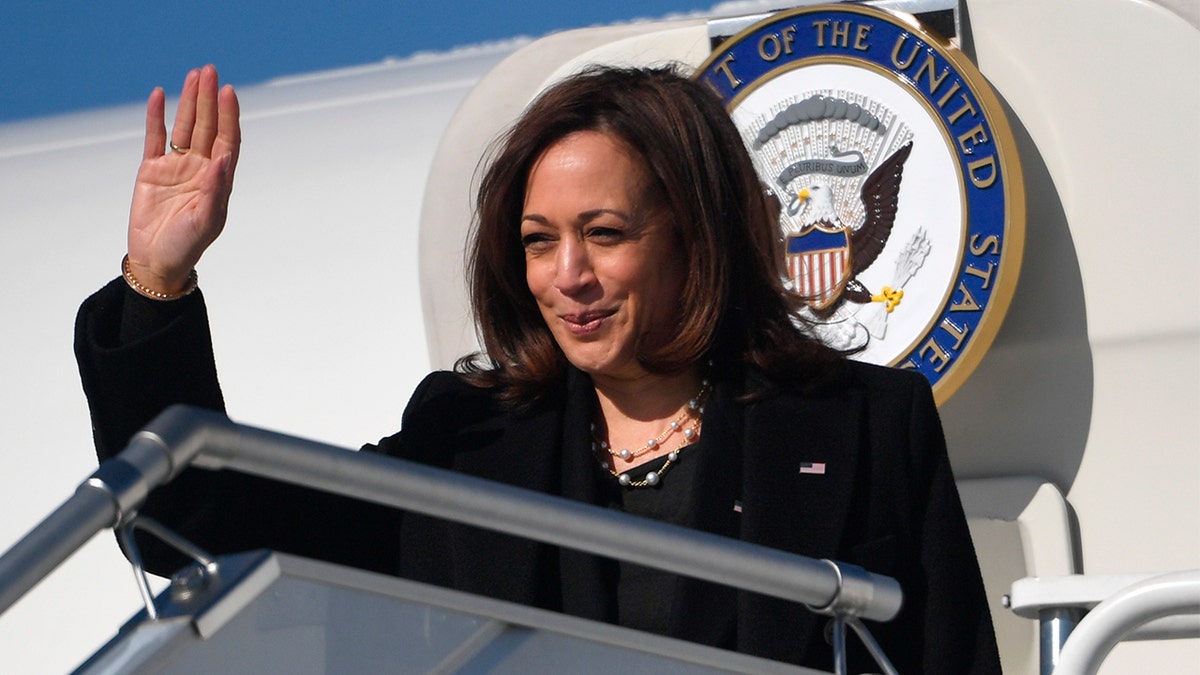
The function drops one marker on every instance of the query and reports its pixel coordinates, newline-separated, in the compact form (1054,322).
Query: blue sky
(62,56)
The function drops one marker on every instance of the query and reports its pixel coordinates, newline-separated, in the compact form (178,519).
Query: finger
(156,130)
(219,176)
(205,130)
(185,114)
(229,130)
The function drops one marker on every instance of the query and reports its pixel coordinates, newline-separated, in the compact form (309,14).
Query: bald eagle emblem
(825,256)
(838,104)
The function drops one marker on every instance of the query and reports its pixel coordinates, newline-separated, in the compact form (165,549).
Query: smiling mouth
(586,322)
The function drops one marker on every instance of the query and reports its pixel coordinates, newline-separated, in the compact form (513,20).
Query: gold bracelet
(193,281)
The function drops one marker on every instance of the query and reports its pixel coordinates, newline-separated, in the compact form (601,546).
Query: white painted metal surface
(323,324)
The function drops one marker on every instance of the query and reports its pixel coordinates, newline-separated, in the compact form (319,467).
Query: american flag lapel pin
(815,468)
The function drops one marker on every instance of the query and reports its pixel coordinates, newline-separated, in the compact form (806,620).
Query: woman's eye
(534,240)
(605,233)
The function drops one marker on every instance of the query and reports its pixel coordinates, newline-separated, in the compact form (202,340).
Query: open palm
(182,193)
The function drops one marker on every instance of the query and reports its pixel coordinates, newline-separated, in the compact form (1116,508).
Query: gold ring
(176,148)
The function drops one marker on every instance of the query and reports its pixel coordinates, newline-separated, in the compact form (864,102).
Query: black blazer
(886,500)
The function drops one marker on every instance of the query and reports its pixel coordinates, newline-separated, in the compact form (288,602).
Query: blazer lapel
(701,610)
(800,461)
(520,449)
(587,581)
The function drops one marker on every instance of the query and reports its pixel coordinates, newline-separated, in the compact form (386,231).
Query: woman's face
(600,259)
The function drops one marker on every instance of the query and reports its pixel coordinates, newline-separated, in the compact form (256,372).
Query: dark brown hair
(734,310)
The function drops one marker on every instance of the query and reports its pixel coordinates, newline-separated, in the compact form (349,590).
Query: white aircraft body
(338,284)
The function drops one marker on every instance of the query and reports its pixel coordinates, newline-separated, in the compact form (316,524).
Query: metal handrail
(1175,593)
(183,436)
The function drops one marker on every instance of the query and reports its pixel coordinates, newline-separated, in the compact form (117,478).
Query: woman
(639,353)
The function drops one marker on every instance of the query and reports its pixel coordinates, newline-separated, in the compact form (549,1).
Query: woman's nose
(573,267)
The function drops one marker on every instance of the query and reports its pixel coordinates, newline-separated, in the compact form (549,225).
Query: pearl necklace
(688,423)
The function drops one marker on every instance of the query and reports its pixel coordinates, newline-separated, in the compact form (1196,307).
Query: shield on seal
(818,262)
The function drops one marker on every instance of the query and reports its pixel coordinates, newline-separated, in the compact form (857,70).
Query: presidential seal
(900,192)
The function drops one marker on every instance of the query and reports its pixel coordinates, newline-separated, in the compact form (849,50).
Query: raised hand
(182,192)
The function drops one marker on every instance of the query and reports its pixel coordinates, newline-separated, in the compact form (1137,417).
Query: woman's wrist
(189,285)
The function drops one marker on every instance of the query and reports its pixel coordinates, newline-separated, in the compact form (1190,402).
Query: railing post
(1055,625)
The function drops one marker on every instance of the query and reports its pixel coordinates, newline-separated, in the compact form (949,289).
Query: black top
(645,594)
